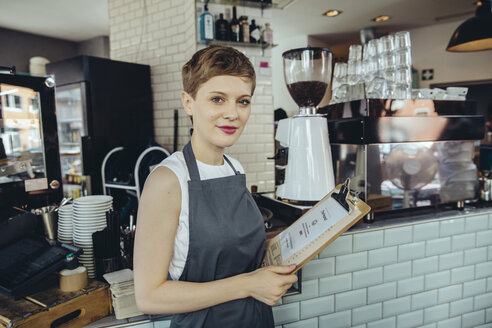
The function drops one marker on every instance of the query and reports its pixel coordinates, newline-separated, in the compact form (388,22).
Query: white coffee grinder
(309,172)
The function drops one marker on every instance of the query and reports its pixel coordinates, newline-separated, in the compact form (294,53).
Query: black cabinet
(101,104)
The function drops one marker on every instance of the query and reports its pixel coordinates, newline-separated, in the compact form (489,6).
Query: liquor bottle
(206,25)
(267,34)
(244,29)
(234,26)
(254,32)
(222,29)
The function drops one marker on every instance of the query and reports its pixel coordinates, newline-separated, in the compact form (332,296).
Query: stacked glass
(383,67)
(393,76)
(347,77)
(339,86)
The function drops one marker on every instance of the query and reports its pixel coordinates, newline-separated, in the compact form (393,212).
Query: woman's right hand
(269,283)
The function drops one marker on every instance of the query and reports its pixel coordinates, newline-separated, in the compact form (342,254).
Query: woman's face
(220,110)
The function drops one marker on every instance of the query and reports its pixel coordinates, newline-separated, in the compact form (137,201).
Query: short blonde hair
(216,60)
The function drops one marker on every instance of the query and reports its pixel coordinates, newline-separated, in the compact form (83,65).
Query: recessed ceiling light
(381,18)
(332,13)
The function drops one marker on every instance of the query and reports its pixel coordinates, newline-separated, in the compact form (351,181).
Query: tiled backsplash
(162,34)
(434,274)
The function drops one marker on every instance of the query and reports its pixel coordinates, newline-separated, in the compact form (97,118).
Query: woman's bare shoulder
(162,179)
(161,196)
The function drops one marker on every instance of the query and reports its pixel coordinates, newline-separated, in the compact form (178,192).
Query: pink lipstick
(228,129)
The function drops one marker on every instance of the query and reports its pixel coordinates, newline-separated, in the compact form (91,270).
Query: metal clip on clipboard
(342,194)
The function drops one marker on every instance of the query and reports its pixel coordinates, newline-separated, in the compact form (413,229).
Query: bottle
(254,32)
(206,25)
(234,26)
(244,30)
(267,34)
(222,29)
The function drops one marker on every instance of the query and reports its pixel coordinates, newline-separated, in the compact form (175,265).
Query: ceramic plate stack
(65,224)
(89,216)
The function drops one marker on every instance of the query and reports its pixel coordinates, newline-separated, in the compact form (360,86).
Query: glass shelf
(279,4)
(239,44)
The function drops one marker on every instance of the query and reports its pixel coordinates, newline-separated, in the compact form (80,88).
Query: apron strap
(191,162)
(193,167)
(232,166)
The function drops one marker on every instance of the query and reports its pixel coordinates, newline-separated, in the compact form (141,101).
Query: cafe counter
(429,270)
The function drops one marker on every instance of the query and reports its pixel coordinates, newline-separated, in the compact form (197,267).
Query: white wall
(429,51)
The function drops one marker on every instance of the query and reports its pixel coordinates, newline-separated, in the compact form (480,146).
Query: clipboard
(316,229)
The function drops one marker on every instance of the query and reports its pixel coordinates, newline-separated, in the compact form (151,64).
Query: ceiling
(358,14)
(74,20)
(79,20)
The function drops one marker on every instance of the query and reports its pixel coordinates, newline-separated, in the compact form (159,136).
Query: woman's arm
(158,216)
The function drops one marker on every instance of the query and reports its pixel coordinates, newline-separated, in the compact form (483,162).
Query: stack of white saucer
(65,224)
(89,216)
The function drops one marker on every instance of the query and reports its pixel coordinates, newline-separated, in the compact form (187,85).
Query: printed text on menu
(310,226)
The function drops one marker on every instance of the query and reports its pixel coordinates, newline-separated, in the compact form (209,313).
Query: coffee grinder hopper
(309,172)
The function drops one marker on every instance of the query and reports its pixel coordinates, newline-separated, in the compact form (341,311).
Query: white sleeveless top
(177,164)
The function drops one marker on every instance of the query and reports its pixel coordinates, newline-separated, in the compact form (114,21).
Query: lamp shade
(475,34)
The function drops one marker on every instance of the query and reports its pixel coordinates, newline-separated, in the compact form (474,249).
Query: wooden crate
(54,308)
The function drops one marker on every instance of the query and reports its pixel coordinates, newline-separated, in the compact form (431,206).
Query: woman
(197,221)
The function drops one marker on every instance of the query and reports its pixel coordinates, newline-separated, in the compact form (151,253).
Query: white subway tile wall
(431,325)
(434,274)
(449,283)
(162,34)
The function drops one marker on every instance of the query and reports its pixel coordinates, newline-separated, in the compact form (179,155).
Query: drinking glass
(340,70)
(387,43)
(382,63)
(340,73)
(402,91)
(403,57)
(402,40)
(340,93)
(370,49)
(355,52)
(389,59)
(354,71)
(403,76)
(336,70)
(390,90)
(390,74)
(369,68)
(376,88)
(379,46)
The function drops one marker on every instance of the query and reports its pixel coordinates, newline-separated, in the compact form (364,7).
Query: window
(14,103)
(34,106)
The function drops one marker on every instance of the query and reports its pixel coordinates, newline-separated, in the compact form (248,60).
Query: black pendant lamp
(475,34)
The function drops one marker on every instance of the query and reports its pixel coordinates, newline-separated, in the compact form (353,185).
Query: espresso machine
(407,155)
(309,171)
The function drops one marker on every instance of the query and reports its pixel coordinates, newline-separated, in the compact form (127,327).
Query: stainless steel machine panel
(398,176)
(406,154)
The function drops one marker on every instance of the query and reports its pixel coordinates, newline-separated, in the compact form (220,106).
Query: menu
(315,230)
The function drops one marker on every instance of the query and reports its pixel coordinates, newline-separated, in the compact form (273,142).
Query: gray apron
(227,238)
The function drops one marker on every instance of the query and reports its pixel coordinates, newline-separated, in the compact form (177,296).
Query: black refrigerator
(100,104)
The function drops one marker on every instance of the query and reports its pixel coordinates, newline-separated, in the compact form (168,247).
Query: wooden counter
(52,307)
